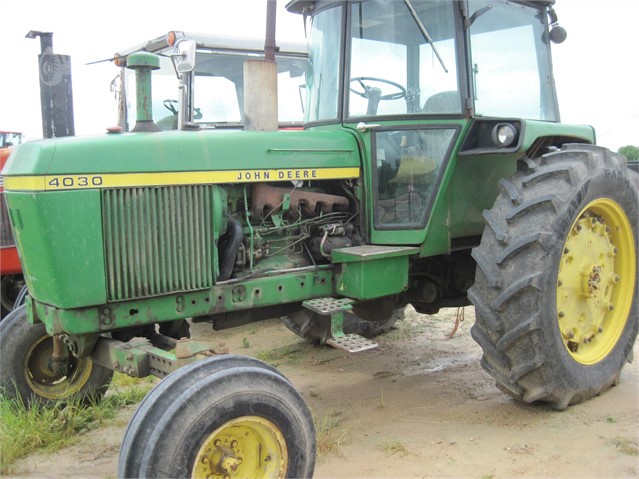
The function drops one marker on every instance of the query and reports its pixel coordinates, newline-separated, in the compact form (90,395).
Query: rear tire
(555,288)
(25,353)
(214,415)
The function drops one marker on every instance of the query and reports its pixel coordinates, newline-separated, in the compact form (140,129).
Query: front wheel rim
(596,280)
(246,447)
(47,383)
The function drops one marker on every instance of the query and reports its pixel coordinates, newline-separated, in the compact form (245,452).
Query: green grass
(395,447)
(626,446)
(288,352)
(328,433)
(24,431)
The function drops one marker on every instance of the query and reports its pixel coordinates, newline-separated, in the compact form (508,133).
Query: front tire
(555,288)
(26,373)
(220,417)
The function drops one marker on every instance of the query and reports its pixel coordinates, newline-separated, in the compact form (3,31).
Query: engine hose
(227,259)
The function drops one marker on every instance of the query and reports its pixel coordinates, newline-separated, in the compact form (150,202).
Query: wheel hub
(54,379)
(246,447)
(595,281)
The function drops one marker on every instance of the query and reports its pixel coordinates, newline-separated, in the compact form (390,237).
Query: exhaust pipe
(260,82)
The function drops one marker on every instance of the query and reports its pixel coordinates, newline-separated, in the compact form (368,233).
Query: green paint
(234,296)
(369,272)
(59,235)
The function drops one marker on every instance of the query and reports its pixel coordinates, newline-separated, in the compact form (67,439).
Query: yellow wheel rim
(246,447)
(45,381)
(596,281)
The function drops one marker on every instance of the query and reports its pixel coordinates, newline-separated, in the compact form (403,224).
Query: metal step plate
(328,305)
(352,343)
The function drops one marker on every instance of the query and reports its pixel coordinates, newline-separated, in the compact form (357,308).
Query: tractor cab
(428,85)
(200,81)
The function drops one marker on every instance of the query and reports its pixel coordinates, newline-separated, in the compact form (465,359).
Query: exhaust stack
(56,91)
(260,82)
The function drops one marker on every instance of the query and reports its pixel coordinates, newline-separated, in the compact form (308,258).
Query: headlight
(504,134)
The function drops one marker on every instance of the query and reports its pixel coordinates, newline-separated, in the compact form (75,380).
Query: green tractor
(432,170)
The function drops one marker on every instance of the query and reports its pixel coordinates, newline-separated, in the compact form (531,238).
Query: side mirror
(184,56)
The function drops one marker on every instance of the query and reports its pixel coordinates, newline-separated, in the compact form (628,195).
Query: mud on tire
(555,288)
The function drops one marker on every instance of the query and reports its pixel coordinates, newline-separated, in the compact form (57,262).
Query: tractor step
(328,305)
(352,343)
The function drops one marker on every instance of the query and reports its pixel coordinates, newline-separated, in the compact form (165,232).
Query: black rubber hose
(227,259)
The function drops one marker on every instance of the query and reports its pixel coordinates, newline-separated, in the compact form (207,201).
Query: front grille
(157,240)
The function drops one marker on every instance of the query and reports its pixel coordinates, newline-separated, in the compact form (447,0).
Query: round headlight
(504,134)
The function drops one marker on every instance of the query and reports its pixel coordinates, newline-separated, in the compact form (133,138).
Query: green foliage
(330,436)
(630,152)
(395,447)
(25,430)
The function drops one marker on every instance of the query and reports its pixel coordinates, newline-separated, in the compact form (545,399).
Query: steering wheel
(170,105)
(370,91)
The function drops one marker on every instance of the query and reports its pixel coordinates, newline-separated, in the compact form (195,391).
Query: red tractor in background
(10,270)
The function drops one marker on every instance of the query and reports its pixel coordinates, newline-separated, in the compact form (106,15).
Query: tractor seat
(443,102)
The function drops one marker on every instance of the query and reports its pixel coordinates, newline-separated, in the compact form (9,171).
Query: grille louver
(157,240)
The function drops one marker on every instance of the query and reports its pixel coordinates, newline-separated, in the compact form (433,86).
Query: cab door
(403,95)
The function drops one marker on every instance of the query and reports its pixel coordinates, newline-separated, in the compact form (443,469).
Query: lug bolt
(566,251)
(617,278)
(600,329)
(559,283)
(611,307)
(570,334)
(561,314)
(578,228)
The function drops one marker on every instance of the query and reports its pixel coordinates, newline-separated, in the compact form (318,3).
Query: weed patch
(25,430)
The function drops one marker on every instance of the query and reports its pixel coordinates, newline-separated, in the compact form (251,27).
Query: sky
(596,69)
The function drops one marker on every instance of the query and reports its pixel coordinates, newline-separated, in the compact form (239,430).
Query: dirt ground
(418,406)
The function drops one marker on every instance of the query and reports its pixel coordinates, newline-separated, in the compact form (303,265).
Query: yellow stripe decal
(127,180)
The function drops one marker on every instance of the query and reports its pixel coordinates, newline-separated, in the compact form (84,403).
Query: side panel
(63,259)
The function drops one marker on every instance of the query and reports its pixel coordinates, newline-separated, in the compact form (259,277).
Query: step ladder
(335,308)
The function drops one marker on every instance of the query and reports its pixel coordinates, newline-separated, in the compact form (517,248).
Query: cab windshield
(406,57)
(402,60)
(394,68)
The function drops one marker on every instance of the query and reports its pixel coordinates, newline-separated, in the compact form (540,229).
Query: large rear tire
(555,288)
(27,373)
(220,417)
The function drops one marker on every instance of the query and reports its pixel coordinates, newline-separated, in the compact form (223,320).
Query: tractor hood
(167,158)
